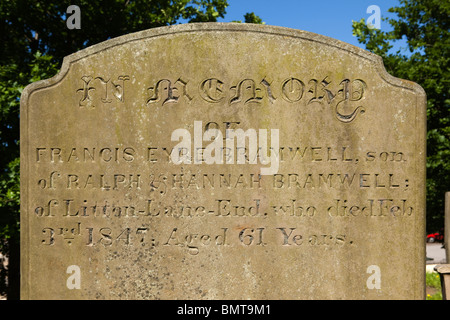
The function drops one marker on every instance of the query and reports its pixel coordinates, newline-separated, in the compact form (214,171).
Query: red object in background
(435,237)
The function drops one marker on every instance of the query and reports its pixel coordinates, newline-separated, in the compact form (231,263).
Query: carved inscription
(106,88)
(192,242)
(344,96)
(157,185)
(246,91)
(165,92)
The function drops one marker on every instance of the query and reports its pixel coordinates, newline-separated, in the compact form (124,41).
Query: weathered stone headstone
(137,183)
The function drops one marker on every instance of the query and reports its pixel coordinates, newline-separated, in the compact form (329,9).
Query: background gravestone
(107,214)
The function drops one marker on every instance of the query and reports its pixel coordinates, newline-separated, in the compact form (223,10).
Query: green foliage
(31,26)
(433,280)
(250,17)
(424,24)
(213,9)
(12,81)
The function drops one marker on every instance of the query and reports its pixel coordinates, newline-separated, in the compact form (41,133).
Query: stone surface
(107,214)
(444,274)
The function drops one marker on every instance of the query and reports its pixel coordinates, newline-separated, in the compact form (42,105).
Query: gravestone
(223,161)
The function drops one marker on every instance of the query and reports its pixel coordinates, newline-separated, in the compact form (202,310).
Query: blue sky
(332,18)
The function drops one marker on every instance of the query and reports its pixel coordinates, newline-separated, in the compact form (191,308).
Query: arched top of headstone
(282,35)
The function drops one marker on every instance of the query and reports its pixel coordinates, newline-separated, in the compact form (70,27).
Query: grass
(434,291)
